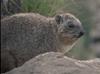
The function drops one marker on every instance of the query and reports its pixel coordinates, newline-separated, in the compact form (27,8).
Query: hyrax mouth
(80,34)
(71,35)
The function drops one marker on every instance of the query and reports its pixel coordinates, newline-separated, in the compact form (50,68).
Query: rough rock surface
(55,63)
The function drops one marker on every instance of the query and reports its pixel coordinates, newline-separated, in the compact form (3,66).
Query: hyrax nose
(81,33)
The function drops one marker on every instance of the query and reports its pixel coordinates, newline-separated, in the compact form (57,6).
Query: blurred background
(88,11)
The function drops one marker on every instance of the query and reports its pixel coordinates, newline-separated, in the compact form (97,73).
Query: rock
(55,63)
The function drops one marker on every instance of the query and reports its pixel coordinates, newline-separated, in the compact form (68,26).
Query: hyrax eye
(70,25)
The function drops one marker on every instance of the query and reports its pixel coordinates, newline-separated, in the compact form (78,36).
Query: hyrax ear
(58,19)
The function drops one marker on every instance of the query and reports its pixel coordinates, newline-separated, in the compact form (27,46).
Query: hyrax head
(69,28)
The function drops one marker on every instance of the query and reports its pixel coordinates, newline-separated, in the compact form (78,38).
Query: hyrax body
(26,35)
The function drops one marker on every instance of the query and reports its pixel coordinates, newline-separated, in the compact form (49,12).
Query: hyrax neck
(65,48)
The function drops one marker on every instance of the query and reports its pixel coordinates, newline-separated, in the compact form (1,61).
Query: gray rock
(56,63)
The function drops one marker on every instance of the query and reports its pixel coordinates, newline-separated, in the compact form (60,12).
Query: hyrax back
(26,35)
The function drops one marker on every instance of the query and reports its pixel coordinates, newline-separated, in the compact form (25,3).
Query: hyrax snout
(26,35)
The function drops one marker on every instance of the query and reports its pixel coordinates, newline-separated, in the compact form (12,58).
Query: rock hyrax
(26,35)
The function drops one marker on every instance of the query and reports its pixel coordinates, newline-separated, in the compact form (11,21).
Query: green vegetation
(44,7)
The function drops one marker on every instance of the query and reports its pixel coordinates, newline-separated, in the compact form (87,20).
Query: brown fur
(26,35)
